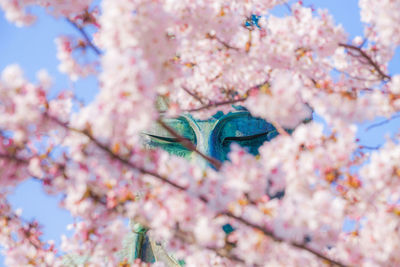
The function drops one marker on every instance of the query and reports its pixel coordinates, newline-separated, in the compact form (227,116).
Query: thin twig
(86,36)
(369,147)
(20,161)
(225,44)
(368,58)
(113,155)
(281,240)
(13,158)
(195,96)
(363,43)
(354,77)
(189,239)
(228,102)
(189,145)
(288,7)
(279,128)
(382,122)
(216,104)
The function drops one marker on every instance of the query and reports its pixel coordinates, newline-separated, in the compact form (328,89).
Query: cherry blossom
(17,11)
(287,206)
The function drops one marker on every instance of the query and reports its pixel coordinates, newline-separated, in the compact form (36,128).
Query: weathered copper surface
(213,137)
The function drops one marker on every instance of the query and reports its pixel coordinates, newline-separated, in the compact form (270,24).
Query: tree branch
(13,158)
(20,161)
(281,240)
(86,36)
(189,145)
(183,189)
(369,60)
(225,44)
(216,104)
(228,102)
(382,122)
(195,96)
(187,238)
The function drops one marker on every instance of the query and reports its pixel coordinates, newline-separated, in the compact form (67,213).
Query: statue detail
(213,137)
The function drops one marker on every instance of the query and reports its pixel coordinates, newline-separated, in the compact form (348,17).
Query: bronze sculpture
(212,137)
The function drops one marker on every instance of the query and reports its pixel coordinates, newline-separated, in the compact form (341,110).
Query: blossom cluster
(288,206)
(17,11)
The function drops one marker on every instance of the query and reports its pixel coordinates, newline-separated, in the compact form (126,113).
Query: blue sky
(33,48)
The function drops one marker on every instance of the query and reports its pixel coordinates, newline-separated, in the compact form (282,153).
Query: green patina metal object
(213,137)
(137,245)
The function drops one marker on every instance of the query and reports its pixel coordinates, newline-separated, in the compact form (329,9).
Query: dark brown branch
(228,102)
(113,155)
(189,145)
(225,44)
(183,189)
(19,161)
(189,239)
(13,158)
(86,36)
(195,96)
(369,60)
(216,104)
(356,77)
(281,240)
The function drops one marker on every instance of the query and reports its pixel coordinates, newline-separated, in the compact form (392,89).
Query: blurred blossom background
(34,49)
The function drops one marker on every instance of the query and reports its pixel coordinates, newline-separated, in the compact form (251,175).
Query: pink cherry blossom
(288,206)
